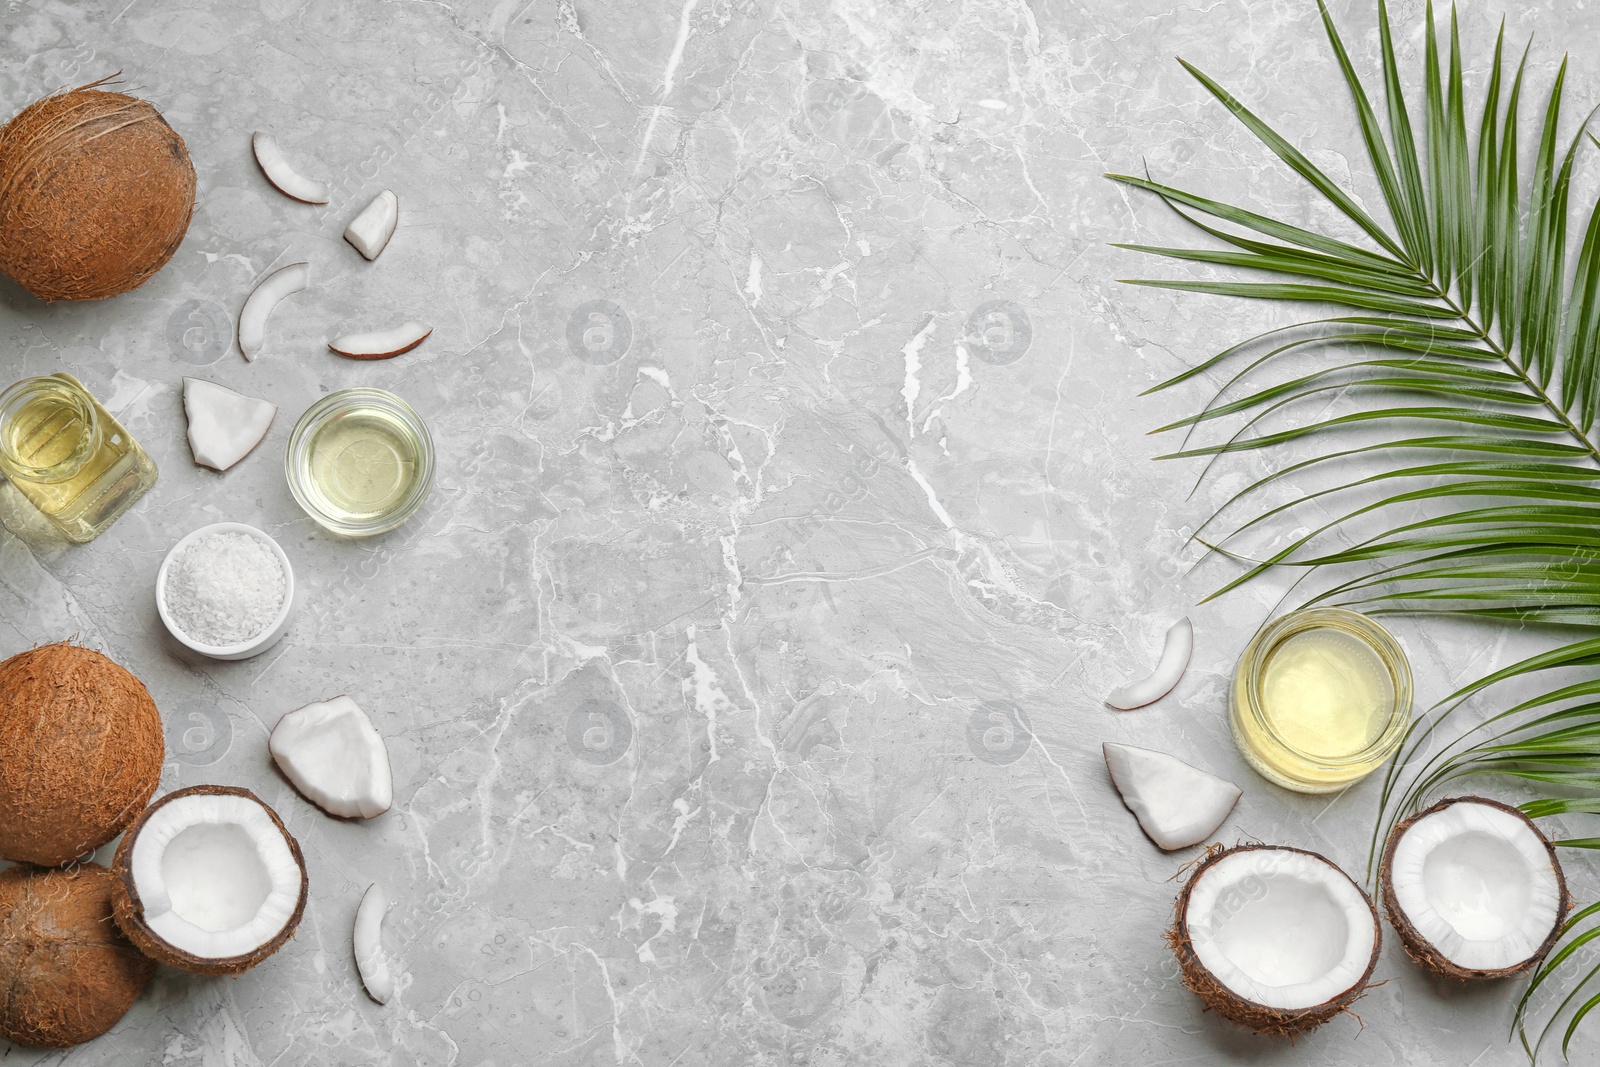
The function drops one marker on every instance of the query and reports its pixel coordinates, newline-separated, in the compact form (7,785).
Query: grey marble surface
(697,672)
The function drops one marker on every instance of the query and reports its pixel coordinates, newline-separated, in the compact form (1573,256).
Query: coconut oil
(68,456)
(1321,699)
(363,464)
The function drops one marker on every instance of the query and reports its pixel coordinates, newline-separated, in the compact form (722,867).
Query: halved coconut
(1274,938)
(209,881)
(1473,889)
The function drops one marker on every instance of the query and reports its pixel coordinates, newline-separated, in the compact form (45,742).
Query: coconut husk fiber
(81,749)
(96,193)
(68,973)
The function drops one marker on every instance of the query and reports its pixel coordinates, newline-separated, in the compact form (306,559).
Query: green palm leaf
(1465,336)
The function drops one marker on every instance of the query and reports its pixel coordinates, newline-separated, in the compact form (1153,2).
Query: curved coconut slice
(1174,660)
(381,344)
(1276,939)
(369,232)
(284,178)
(285,281)
(370,958)
(334,756)
(1473,889)
(224,426)
(1177,805)
(209,881)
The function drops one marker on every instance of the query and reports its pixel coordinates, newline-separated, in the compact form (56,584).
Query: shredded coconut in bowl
(225,588)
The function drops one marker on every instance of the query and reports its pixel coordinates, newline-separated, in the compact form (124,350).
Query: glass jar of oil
(360,461)
(1322,697)
(68,456)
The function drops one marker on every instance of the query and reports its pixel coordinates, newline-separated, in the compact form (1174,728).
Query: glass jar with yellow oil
(68,456)
(360,462)
(1321,698)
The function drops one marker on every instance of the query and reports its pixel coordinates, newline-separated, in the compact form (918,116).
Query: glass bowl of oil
(360,462)
(1322,698)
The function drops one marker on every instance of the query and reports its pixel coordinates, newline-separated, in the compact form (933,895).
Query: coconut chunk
(283,282)
(1177,805)
(1175,654)
(1474,889)
(283,176)
(1276,939)
(369,232)
(224,426)
(209,881)
(366,939)
(335,757)
(381,344)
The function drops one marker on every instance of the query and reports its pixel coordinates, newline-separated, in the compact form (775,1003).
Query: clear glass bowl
(1294,765)
(360,462)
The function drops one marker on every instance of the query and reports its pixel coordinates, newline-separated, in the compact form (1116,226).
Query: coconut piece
(335,757)
(1177,805)
(1274,938)
(283,176)
(224,426)
(371,961)
(81,749)
(1474,889)
(1174,660)
(96,193)
(381,344)
(369,232)
(285,281)
(209,881)
(69,972)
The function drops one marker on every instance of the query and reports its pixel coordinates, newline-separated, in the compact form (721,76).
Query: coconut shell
(80,753)
(130,911)
(1419,948)
(96,193)
(1261,1018)
(69,974)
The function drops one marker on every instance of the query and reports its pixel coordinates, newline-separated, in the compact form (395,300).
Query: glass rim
(69,390)
(1364,628)
(318,415)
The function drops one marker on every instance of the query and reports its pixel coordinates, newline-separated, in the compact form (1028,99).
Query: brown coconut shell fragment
(1422,952)
(129,910)
(1261,1018)
(81,749)
(96,193)
(66,972)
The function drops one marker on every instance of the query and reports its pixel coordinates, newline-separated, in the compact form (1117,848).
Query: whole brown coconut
(69,973)
(80,753)
(96,191)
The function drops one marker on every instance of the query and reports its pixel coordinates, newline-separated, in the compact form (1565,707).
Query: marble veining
(794,513)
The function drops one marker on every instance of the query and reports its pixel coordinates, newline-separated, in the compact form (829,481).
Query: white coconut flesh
(214,875)
(1282,929)
(1177,805)
(335,757)
(1477,884)
(1175,652)
(369,232)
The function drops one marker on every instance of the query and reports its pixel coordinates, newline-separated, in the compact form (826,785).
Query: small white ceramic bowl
(262,641)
